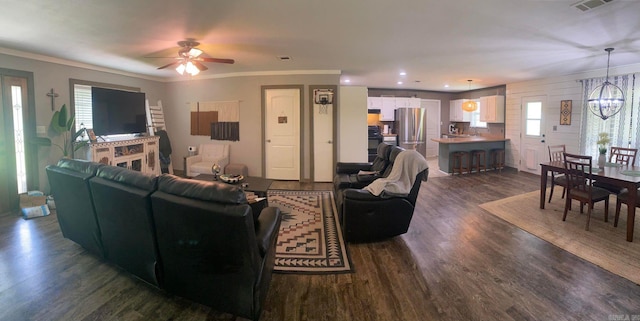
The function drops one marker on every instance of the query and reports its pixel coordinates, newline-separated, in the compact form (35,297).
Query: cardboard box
(32,201)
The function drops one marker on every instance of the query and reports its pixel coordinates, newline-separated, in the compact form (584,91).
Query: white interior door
(532,144)
(282,134)
(432,108)
(323,143)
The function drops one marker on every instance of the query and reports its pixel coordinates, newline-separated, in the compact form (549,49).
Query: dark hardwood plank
(457,262)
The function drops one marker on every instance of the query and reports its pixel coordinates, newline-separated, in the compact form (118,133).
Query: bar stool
(497,158)
(459,163)
(478,160)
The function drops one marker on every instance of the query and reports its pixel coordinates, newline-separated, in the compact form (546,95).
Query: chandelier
(607,99)
(469,105)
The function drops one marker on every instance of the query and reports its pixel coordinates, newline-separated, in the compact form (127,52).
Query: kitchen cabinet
(374,102)
(140,154)
(492,109)
(406,102)
(388,105)
(456,113)
(387,112)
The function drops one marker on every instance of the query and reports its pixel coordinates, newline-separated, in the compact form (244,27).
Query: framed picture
(565,112)
(92,135)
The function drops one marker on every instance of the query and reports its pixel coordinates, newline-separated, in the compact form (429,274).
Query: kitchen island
(466,144)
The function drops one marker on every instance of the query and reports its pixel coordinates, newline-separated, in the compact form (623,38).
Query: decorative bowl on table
(231,178)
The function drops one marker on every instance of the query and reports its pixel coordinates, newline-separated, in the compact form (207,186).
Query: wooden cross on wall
(53,96)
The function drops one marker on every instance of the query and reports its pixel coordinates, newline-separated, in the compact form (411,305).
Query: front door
(13,167)
(532,144)
(282,133)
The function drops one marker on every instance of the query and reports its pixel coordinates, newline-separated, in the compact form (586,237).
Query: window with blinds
(82,97)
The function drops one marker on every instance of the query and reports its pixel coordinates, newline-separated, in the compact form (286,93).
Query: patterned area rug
(310,238)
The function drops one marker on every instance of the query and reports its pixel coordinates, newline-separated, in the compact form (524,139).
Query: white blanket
(403,174)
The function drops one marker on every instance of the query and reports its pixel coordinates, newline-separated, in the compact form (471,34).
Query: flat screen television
(118,112)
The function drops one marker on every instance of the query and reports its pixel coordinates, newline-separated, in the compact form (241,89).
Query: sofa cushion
(201,190)
(128,177)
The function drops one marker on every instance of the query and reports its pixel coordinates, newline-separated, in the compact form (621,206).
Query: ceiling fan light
(180,69)
(195,52)
(469,106)
(191,69)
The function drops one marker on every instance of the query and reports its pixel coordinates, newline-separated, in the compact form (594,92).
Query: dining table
(626,176)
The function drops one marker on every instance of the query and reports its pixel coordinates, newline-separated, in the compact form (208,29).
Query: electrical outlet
(555,128)
(41,130)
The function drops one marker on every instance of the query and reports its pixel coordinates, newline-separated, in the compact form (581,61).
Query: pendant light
(469,105)
(607,99)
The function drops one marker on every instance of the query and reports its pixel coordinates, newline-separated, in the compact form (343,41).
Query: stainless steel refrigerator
(410,127)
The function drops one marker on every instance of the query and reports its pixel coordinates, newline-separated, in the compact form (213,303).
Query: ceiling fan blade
(199,65)
(218,60)
(169,65)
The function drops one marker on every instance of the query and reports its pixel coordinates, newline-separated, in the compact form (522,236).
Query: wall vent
(586,5)
(284,58)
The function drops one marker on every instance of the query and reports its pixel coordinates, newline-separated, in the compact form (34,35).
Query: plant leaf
(77,134)
(55,123)
(62,119)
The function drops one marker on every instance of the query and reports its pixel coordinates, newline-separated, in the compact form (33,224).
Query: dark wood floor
(457,262)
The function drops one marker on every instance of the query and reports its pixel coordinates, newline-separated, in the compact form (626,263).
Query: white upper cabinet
(387,112)
(388,105)
(456,113)
(492,109)
(374,102)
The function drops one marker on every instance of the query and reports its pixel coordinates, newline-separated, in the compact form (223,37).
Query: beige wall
(352,128)
(248,90)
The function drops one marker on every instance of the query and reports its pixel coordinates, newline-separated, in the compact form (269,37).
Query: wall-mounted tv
(118,111)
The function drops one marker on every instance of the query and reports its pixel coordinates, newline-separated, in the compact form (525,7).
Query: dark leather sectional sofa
(365,217)
(195,239)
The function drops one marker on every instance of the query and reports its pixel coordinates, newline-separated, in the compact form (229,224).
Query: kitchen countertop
(470,139)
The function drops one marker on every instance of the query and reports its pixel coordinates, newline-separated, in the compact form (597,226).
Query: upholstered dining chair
(622,156)
(578,169)
(556,154)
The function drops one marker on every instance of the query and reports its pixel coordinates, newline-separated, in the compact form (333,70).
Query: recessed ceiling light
(446,86)
(347,80)
(402,73)
(399,82)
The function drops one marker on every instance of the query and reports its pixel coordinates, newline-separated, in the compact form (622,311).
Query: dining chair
(623,197)
(621,156)
(556,153)
(578,172)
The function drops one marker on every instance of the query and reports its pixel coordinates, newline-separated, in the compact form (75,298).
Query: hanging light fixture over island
(469,105)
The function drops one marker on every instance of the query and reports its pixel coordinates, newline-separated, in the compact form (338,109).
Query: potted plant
(62,125)
(603,141)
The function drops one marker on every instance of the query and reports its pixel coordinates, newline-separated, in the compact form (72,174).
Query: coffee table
(258,185)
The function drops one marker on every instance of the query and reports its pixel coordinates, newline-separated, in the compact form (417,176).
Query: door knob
(329,142)
(268,140)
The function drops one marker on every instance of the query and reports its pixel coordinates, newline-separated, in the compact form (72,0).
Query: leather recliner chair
(212,250)
(366,217)
(69,181)
(347,173)
(123,208)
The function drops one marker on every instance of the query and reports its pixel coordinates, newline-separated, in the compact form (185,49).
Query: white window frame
(475,118)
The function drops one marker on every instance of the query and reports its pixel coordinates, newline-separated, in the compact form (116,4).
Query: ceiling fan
(190,60)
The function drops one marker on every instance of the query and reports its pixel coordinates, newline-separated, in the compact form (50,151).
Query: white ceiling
(436,42)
